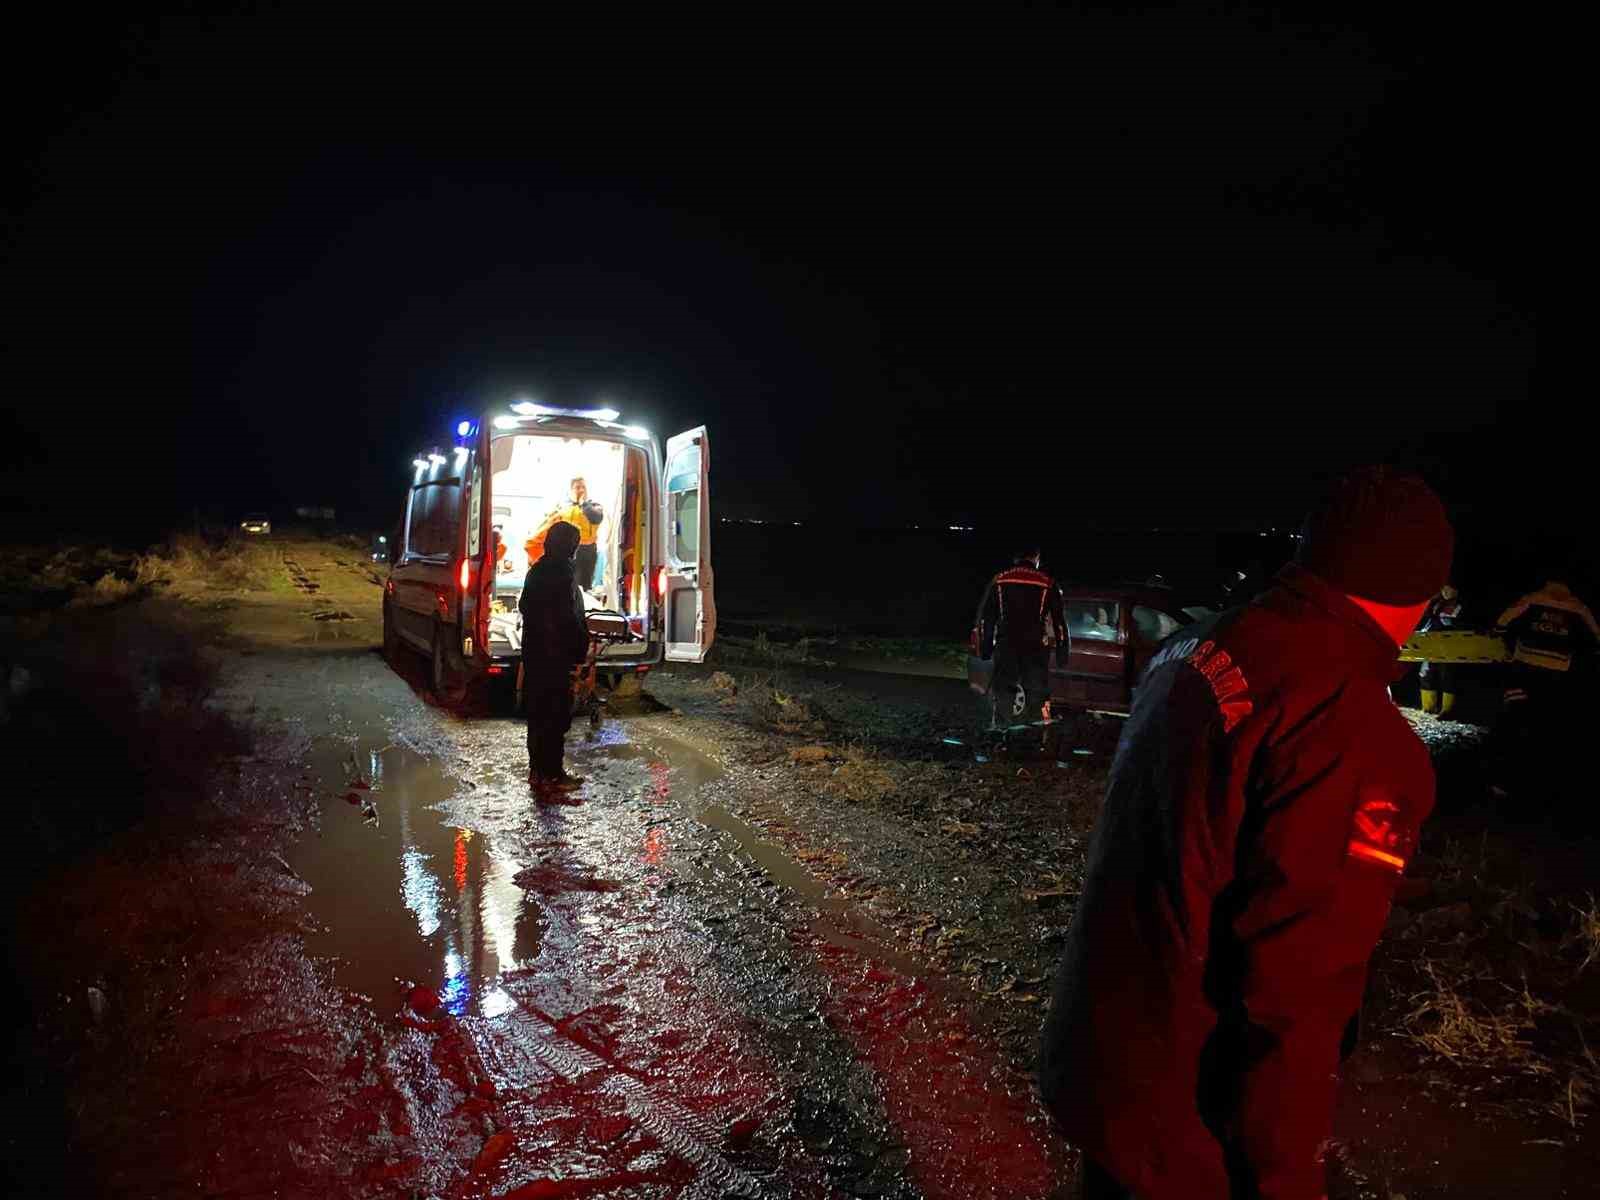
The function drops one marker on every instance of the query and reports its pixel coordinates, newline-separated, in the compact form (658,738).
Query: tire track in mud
(694,1024)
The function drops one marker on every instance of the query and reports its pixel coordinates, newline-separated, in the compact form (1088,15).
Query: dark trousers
(588,557)
(1027,666)
(548,697)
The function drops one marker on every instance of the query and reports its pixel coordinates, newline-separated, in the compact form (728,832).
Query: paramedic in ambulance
(1022,621)
(555,638)
(585,515)
(1265,798)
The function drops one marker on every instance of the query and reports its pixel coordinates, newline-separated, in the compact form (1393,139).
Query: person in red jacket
(1263,802)
(1020,622)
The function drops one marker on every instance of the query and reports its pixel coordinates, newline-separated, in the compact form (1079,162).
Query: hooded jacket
(1262,804)
(555,632)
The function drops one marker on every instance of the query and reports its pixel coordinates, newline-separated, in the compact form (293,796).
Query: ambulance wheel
(440,678)
(1019,703)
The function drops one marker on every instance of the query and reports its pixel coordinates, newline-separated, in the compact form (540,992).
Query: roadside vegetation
(43,578)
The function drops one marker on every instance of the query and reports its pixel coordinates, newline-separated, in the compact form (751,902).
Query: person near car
(1437,680)
(1021,622)
(1263,802)
(555,638)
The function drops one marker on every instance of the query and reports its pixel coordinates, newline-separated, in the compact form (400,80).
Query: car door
(690,611)
(1096,670)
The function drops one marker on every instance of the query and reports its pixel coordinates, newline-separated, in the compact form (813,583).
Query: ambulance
(476,509)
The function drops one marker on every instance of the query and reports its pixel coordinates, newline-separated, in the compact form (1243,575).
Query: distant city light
(961,528)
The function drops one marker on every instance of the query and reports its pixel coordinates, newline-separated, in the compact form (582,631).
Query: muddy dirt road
(785,941)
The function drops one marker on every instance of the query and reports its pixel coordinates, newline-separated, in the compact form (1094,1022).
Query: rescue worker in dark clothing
(1437,680)
(1020,622)
(555,638)
(1553,634)
(1263,801)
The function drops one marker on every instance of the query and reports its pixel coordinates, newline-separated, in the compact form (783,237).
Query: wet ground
(791,938)
(654,999)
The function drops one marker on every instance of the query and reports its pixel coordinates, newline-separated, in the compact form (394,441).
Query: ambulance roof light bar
(527,408)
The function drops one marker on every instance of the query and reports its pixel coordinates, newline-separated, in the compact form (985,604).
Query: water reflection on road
(661,1003)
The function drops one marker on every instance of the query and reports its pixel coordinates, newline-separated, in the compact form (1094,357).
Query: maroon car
(1114,631)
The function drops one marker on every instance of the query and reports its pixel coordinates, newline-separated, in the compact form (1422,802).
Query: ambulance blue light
(463,428)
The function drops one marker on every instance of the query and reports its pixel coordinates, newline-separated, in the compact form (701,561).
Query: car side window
(1152,625)
(1096,620)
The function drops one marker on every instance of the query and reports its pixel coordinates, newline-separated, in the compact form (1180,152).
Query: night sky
(1161,269)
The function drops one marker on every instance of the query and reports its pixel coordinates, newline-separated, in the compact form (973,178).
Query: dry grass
(1585,934)
(187,560)
(1486,979)
(859,777)
(83,577)
(1450,1020)
(108,589)
(771,706)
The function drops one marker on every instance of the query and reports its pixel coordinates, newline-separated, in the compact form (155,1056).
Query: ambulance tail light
(464,576)
(661,582)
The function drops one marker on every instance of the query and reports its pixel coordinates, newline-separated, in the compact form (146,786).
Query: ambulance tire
(442,679)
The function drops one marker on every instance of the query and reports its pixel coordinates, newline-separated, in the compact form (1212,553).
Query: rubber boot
(1430,700)
(1447,702)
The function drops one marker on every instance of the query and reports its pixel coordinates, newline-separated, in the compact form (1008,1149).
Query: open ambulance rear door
(689,609)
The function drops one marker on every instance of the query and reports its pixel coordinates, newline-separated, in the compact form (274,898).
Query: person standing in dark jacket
(1263,802)
(1436,681)
(1020,623)
(555,638)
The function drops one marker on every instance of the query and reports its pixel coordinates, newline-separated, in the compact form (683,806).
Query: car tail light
(388,585)
(465,577)
(661,582)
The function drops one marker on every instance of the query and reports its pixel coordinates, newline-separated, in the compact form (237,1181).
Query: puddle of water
(403,895)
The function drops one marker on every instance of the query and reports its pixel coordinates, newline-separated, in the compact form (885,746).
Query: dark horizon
(1200,265)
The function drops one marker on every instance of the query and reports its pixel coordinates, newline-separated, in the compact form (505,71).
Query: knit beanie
(1379,534)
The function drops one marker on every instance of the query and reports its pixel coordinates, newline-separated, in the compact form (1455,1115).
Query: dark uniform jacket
(1262,804)
(1022,609)
(555,633)
(1550,626)
(1440,614)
